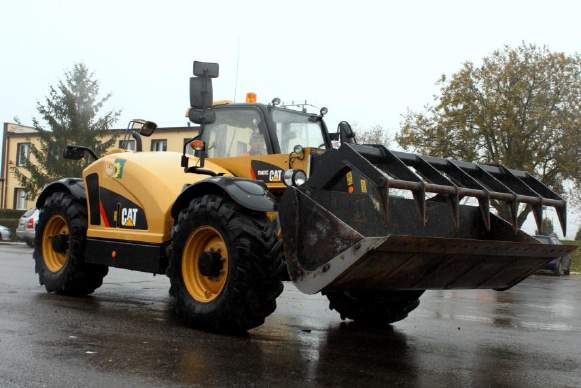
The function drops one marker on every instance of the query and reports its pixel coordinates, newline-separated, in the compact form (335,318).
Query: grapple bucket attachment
(352,226)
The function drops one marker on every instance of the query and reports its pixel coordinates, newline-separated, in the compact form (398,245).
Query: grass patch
(575,256)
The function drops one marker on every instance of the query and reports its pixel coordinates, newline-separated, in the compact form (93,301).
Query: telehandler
(267,196)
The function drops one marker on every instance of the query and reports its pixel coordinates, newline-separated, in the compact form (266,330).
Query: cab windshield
(296,128)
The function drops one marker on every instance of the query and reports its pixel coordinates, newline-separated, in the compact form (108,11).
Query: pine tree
(69,115)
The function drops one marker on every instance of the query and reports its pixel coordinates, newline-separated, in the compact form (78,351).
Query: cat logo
(128,217)
(269,175)
(265,172)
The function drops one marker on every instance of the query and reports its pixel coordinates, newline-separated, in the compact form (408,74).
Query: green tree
(69,115)
(521,108)
(548,227)
(372,135)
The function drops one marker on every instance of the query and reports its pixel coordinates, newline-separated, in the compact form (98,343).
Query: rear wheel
(59,247)
(225,266)
(373,306)
(558,271)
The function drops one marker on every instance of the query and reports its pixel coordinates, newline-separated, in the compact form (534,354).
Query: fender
(247,193)
(73,186)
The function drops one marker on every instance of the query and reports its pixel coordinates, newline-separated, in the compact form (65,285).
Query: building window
(127,145)
(22,152)
(159,145)
(20,199)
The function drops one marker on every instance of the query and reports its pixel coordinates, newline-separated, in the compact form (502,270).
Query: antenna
(237,67)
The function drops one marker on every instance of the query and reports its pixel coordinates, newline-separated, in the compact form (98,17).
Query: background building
(18,139)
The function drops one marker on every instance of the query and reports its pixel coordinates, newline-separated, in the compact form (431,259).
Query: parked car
(560,266)
(4,233)
(26,226)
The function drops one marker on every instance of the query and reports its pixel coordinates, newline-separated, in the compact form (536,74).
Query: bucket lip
(463,246)
(311,282)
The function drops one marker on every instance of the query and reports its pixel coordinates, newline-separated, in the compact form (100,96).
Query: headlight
(294,177)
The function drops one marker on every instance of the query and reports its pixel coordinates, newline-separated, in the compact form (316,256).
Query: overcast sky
(368,62)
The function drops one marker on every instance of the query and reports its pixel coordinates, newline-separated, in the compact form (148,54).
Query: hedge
(10,213)
(575,256)
(10,223)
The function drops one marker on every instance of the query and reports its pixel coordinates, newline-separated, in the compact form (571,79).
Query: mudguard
(252,195)
(73,186)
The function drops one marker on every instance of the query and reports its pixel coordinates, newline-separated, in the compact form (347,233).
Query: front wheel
(225,266)
(373,306)
(59,248)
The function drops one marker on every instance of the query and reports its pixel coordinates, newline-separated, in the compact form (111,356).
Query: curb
(2,242)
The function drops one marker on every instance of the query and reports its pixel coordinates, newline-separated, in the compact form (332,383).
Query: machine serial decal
(266,172)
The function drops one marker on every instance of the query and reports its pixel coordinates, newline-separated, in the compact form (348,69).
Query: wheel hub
(55,243)
(60,243)
(211,264)
(205,264)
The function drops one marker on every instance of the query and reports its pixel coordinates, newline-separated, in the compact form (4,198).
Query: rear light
(30,223)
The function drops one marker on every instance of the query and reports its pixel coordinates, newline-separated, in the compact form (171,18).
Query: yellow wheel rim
(54,260)
(204,288)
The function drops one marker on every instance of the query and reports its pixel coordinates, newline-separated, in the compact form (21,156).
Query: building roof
(17,129)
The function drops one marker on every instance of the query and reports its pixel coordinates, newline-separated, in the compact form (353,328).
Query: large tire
(245,290)
(373,306)
(63,270)
(558,271)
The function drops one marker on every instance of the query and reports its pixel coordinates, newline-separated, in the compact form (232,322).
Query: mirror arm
(185,159)
(90,152)
(138,143)
(79,148)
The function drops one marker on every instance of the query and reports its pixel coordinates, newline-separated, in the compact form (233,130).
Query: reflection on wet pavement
(127,335)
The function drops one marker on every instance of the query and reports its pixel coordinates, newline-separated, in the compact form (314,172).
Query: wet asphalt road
(125,335)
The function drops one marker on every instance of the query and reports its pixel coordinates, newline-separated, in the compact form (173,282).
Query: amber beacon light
(250,98)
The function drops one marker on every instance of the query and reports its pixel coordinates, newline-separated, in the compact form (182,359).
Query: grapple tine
(544,192)
(484,205)
(420,197)
(385,203)
(455,203)
(514,215)
(562,215)
(468,180)
(497,185)
(538,213)
(434,175)
(396,168)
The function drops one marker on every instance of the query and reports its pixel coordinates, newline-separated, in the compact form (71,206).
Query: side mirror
(346,133)
(74,152)
(200,116)
(206,69)
(201,94)
(143,127)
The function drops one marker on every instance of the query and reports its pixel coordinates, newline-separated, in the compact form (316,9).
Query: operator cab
(251,129)
(257,129)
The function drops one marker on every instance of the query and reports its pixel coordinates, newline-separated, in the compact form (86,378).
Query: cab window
(236,132)
(296,128)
